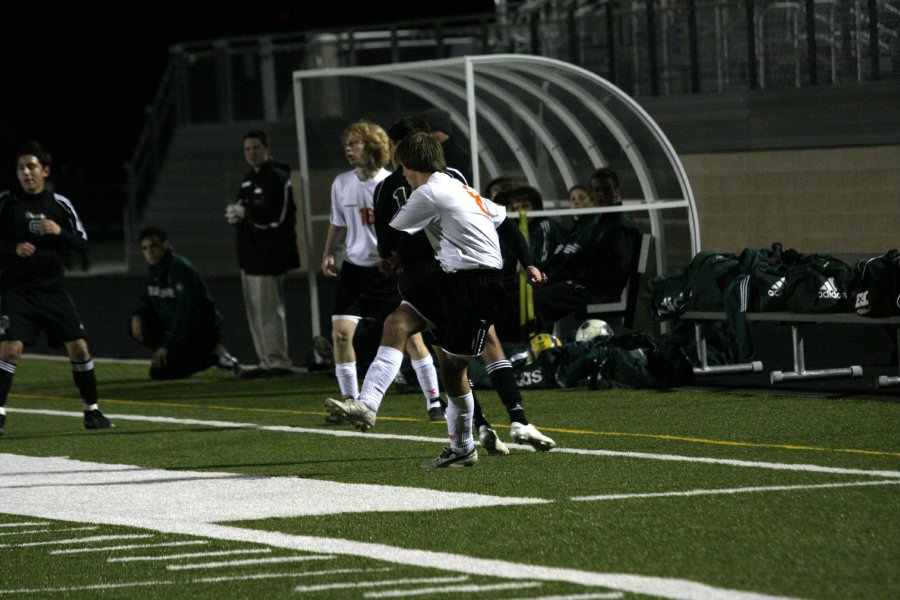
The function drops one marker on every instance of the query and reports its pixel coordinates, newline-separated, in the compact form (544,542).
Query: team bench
(796,321)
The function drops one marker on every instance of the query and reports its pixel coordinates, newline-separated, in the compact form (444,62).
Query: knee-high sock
(7,370)
(346,376)
(459,422)
(86,381)
(428,379)
(381,374)
(501,373)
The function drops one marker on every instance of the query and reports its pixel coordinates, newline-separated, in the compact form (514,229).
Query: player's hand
(48,227)
(25,249)
(328,266)
(391,266)
(234,213)
(535,277)
(137,328)
(160,357)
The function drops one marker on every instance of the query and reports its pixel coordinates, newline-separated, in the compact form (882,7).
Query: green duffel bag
(819,283)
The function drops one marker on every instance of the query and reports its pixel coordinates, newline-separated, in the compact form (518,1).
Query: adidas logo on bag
(777,289)
(830,291)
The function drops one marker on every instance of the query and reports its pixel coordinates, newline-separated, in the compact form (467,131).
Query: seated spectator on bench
(176,318)
(595,261)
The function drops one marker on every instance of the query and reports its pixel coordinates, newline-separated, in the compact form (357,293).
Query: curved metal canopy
(543,121)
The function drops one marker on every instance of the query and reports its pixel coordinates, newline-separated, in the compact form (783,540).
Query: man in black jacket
(177,318)
(264,216)
(37,227)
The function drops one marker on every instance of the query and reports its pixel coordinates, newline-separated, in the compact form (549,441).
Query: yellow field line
(658,436)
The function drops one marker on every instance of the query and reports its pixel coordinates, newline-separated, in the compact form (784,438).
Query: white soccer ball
(593,330)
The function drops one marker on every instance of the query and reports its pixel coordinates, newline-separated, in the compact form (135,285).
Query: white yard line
(743,490)
(25,524)
(248,562)
(48,530)
(87,540)
(349,585)
(129,547)
(588,596)
(454,589)
(799,467)
(189,555)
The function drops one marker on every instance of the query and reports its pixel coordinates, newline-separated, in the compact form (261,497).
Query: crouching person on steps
(177,318)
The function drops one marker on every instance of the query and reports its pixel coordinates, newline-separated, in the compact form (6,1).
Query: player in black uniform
(37,227)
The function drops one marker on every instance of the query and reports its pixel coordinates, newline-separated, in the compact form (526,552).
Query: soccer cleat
(2,423)
(529,434)
(491,442)
(332,419)
(226,361)
(436,413)
(94,419)
(323,348)
(450,459)
(353,411)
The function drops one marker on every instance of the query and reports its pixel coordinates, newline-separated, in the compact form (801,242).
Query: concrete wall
(834,200)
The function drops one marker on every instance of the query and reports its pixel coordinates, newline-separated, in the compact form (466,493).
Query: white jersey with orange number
(352,207)
(461,225)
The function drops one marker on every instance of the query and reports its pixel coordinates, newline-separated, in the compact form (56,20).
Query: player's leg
(10,353)
(86,382)
(398,326)
(501,373)
(423,364)
(460,407)
(343,327)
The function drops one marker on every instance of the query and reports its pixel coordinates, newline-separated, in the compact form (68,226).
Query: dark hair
(153,231)
(526,193)
(406,126)
(439,120)
(33,148)
(257,134)
(605,173)
(578,186)
(503,184)
(421,152)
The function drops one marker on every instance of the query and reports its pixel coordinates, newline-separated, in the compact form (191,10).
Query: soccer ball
(540,342)
(593,330)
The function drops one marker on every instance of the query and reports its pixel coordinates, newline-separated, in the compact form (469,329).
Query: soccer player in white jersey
(362,290)
(460,300)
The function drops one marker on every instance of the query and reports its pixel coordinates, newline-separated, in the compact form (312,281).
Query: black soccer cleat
(94,419)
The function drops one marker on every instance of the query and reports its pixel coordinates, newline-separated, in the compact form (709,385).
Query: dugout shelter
(541,121)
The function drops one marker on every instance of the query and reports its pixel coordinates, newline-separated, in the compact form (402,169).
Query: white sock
(428,378)
(88,407)
(380,376)
(346,376)
(459,422)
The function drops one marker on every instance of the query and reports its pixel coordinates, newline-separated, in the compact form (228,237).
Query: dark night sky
(77,74)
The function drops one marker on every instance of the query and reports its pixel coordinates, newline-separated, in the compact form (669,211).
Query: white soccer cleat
(450,459)
(491,442)
(355,412)
(529,434)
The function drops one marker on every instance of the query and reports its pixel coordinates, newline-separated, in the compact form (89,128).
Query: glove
(234,213)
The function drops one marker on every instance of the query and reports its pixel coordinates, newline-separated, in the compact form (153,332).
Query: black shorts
(461,306)
(364,292)
(24,313)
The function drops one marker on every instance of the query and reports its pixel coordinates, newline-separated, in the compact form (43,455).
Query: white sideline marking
(377,583)
(25,524)
(806,468)
(128,584)
(49,530)
(62,491)
(588,596)
(95,538)
(454,589)
(250,561)
(129,547)
(189,555)
(744,490)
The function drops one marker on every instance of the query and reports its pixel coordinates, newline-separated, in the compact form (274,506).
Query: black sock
(501,373)
(7,370)
(86,381)
(478,418)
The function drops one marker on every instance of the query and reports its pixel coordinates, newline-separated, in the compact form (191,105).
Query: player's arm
(509,234)
(268,208)
(69,229)
(335,234)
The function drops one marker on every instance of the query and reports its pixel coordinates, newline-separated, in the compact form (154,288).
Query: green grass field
(216,487)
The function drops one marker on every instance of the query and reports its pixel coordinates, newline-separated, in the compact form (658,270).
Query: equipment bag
(877,289)
(708,274)
(819,283)
(669,294)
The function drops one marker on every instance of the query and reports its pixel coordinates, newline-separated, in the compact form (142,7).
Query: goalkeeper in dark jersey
(37,228)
